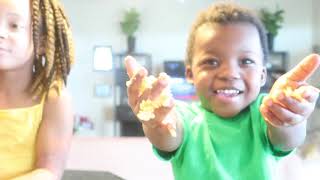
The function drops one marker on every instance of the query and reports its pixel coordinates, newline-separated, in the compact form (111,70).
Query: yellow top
(18,132)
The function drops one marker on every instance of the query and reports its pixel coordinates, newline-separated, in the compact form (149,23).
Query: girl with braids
(36,122)
(233,133)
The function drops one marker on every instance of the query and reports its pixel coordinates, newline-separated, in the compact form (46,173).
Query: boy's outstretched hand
(291,100)
(149,97)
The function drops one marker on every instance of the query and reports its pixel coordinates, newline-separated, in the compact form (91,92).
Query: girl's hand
(291,100)
(148,98)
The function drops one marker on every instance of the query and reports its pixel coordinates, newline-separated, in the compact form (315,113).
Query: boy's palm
(136,75)
(291,100)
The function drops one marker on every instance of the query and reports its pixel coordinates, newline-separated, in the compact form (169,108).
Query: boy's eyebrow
(249,52)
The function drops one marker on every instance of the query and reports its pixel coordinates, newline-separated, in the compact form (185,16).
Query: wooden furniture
(277,65)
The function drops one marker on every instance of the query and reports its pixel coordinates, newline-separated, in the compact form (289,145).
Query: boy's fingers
(131,66)
(304,69)
(158,87)
(160,113)
(290,103)
(285,115)
(270,117)
(134,86)
(309,93)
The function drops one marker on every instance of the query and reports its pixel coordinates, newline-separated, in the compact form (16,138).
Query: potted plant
(272,22)
(129,25)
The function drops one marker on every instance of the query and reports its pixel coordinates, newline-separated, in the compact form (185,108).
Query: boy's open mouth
(230,92)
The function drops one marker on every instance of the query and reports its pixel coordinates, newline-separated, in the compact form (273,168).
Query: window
(102,58)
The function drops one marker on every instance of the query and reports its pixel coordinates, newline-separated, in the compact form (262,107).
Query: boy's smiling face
(227,67)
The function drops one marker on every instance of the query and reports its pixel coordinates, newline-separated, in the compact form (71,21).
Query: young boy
(225,136)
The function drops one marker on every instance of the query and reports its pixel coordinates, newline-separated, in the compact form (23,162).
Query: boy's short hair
(222,14)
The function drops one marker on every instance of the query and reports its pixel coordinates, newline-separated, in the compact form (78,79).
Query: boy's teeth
(228,91)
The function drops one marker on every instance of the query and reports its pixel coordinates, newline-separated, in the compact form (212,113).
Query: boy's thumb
(131,65)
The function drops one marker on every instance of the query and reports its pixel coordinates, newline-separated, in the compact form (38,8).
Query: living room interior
(108,141)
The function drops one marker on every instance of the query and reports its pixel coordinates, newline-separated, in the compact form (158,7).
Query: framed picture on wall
(102,58)
(102,90)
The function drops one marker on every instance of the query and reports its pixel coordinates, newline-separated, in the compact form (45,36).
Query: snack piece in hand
(147,107)
(293,83)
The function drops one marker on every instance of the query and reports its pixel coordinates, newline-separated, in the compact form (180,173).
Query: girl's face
(227,67)
(16,46)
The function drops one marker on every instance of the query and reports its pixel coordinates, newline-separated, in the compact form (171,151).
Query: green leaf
(131,21)
(272,20)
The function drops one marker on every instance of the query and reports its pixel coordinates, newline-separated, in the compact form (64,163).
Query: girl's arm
(39,174)
(54,137)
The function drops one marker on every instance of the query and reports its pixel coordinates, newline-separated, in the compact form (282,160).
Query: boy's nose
(229,72)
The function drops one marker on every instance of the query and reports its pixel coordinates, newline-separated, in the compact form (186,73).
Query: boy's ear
(189,75)
(263,77)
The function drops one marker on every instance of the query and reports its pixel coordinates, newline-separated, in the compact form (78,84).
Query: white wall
(316,21)
(96,22)
(315,122)
(163,33)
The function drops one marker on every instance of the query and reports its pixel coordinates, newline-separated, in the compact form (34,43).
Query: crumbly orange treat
(147,107)
(298,96)
(288,91)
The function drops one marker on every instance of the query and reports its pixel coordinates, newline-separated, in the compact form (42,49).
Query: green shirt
(224,149)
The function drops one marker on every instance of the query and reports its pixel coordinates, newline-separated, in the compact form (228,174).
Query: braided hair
(53,46)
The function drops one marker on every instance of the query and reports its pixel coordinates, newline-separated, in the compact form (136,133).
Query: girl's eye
(15,26)
(247,61)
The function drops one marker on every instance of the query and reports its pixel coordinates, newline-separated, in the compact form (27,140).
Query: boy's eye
(247,61)
(211,62)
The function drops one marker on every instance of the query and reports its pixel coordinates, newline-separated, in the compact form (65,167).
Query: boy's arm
(289,104)
(287,138)
(164,130)
(161,138)
(53,139)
